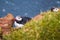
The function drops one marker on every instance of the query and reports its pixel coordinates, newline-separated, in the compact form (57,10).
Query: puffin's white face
(55,9)
(18,18)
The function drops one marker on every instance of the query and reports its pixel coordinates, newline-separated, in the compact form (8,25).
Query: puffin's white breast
(18,25)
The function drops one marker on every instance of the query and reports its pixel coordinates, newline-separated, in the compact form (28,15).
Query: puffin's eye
(18,17)
(56,9)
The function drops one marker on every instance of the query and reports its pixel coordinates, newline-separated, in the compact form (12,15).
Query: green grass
(47,28)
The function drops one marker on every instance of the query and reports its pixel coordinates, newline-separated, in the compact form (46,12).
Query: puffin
(53,9)
(21,21)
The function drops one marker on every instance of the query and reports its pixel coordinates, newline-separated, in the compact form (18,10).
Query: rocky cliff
(6,23)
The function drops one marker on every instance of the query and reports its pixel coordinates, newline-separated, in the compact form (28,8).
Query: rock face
(38,17)
(6,23)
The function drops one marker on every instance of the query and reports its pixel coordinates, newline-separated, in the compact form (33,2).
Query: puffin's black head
(22,20)
(18,18)
(52,9)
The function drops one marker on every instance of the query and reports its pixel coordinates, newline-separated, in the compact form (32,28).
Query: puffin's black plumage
(24,20)
(52,9)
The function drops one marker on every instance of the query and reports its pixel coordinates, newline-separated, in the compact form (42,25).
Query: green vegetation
(47,28)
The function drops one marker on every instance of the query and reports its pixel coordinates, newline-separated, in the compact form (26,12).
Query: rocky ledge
(6,23)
